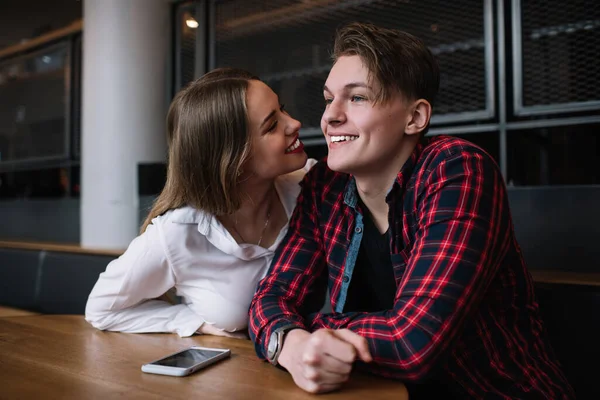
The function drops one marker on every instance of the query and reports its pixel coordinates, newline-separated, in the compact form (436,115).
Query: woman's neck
(260,217)
(257,198)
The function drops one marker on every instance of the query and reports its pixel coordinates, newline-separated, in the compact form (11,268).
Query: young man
(415,241)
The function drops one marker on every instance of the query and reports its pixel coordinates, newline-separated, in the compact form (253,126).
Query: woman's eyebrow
(268,117)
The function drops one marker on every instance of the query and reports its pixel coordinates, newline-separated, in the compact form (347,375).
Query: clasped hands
(322,361)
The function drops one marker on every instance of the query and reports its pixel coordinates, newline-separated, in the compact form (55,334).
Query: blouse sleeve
(123,299)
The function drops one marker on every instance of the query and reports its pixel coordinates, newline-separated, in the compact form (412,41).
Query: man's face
(361,135)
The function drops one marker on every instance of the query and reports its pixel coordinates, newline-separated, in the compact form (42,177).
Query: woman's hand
(208,329)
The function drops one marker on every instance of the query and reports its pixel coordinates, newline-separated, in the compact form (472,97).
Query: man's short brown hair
(396,59)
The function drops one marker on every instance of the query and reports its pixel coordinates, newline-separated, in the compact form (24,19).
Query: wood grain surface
(63,357)
(15,312)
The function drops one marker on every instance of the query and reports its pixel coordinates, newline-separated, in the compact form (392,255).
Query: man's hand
(322,361)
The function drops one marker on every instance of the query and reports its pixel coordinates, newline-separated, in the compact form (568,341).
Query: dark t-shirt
(373,286)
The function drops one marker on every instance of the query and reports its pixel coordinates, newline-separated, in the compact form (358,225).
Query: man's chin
(339,165)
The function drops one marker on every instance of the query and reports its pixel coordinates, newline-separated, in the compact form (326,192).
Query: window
(34,106)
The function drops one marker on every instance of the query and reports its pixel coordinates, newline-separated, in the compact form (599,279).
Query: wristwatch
(276,342)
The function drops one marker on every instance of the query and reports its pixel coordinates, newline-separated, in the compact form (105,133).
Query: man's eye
(328,101)
(358,98)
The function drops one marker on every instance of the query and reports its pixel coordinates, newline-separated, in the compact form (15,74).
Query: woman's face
(276,146)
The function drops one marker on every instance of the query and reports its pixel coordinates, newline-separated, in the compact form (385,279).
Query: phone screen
(187,358)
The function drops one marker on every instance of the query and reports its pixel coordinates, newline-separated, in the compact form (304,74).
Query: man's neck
(373,185)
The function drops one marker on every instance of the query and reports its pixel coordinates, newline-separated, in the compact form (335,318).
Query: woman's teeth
(343,138)
(293,146)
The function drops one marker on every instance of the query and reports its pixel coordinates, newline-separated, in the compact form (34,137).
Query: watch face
(272,347)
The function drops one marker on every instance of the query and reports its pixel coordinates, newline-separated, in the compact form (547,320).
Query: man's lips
(342,138)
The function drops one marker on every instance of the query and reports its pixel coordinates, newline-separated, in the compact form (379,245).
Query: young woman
(235,163)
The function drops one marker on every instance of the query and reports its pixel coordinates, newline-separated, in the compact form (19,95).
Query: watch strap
(280,336)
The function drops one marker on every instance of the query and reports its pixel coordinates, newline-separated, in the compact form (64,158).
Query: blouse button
(358,229)
(346,278)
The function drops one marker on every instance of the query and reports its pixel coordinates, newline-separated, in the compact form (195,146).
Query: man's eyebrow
(350,85)
(268,117)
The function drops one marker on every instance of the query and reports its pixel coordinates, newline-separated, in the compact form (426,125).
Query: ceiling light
(192,23)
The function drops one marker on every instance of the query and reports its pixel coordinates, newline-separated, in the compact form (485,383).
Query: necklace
(263,229)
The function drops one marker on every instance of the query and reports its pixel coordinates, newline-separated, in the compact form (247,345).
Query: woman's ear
(419,117)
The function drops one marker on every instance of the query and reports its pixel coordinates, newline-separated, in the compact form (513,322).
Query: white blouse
(192,252)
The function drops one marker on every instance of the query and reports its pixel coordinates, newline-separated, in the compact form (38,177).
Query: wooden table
(62,357)
(15,312)
(563,277)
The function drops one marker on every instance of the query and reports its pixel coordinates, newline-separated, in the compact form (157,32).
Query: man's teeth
(293,146)
(343,138)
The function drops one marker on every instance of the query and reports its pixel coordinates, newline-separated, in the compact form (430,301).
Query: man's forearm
(260,330)
(387,333)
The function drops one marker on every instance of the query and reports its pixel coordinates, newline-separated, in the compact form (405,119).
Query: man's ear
(420,114)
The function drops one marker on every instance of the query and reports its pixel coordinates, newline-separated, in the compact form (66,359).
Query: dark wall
(49,220)
(46,220)
(556,226)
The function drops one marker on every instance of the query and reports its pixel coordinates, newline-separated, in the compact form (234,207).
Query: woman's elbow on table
(98,314)
(97,320)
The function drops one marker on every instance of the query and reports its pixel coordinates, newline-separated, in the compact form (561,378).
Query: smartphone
(186,361)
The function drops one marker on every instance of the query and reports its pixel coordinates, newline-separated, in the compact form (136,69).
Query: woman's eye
(282,108)
(328,101)
(272,127)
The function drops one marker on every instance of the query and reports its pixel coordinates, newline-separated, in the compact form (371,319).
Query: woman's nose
(293,126)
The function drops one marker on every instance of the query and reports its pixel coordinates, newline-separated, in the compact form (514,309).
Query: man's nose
(334,114)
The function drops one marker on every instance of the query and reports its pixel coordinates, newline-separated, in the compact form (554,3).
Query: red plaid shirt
(464,312)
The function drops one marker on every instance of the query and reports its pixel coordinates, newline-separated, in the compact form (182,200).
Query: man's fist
(322,361)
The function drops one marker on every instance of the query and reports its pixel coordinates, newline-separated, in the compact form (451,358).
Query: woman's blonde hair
(209,142)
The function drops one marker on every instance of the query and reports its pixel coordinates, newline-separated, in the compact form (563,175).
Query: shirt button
(346,278)
(358,229)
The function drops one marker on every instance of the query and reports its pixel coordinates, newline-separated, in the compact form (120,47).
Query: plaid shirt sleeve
(297,271)
(462,236)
